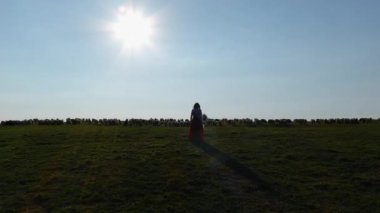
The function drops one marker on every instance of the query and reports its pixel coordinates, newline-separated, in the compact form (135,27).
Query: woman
(196,124)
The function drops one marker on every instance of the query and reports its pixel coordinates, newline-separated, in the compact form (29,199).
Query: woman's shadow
(235,165)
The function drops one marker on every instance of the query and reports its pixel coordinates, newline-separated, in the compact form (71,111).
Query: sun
(132,29)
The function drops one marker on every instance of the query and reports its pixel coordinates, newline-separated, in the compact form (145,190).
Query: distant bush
(32,122)
(186,123)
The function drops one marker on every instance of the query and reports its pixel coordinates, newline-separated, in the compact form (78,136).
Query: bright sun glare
(132,29)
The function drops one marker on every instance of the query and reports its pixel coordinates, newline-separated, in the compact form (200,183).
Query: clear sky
(238,59)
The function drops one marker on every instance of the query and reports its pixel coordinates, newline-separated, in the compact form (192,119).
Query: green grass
(154,169)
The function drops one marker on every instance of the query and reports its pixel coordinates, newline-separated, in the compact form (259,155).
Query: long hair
(197,106)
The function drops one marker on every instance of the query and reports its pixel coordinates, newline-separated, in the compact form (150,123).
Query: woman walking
(196,123)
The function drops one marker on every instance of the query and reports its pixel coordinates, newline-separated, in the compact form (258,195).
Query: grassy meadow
(90,168)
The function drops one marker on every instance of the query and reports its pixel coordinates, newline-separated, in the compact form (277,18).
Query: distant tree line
(186,123)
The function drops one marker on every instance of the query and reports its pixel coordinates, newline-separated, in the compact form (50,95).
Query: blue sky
(238,59)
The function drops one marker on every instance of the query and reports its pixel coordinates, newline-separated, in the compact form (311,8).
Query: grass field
(88,168)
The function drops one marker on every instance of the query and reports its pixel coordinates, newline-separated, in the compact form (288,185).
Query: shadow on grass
(235,165)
